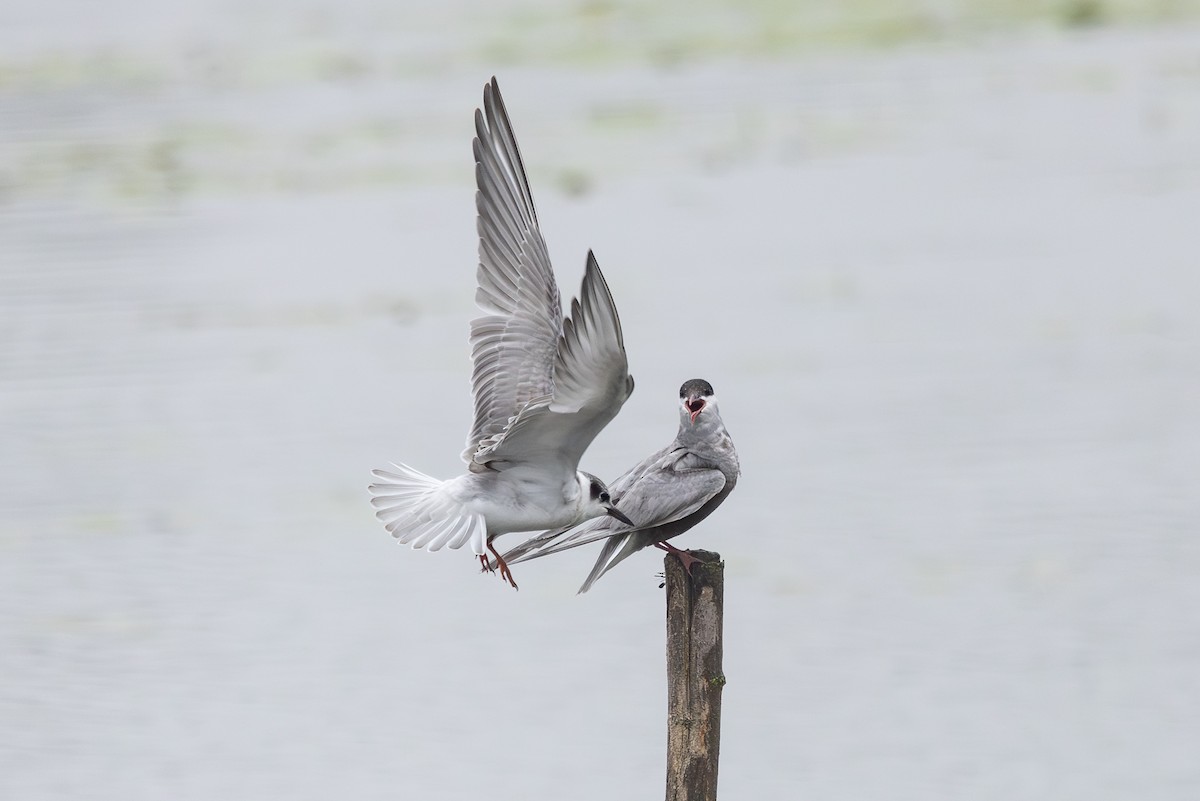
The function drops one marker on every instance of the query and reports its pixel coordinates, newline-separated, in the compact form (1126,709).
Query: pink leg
(683,556)
(505,573)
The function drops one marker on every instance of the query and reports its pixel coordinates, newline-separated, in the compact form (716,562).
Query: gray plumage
(544,385)
(664,495)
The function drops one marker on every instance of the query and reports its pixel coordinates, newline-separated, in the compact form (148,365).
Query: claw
(505,573)
(685,557)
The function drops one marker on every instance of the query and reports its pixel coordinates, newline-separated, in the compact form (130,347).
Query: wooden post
(695,613)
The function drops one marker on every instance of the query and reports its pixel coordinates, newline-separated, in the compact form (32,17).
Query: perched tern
(544,386)
(664,495)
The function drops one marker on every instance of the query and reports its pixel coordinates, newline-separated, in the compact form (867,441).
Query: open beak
(617,513)
(694,405)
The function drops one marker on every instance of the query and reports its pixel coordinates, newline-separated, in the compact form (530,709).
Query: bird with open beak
(664,495)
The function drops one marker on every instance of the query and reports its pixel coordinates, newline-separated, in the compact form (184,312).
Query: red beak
(694,406)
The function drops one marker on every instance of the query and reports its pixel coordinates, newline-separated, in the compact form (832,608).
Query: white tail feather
(415,512)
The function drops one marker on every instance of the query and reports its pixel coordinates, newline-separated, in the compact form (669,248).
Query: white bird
(664,495)
(544,386)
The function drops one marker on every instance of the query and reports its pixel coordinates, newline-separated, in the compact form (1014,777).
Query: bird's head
(696,398)
(598,500)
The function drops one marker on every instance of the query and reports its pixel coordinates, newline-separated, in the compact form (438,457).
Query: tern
(543,386)
(665,494)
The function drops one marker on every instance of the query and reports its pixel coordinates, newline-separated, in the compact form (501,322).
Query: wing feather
(651,494)
(544,387)
(591,369)
(513,347)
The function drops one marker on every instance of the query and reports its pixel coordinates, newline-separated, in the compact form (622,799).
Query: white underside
(425,512)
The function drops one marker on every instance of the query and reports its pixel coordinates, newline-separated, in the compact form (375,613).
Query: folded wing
(652,499)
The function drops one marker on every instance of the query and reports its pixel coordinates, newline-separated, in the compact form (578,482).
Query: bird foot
(684,556)
(505,573)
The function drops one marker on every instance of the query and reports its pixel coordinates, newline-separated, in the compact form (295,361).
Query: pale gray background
(939,261)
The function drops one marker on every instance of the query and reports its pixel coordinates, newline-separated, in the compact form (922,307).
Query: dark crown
(696,386)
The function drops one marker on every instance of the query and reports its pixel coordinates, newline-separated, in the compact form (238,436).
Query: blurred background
(938,259)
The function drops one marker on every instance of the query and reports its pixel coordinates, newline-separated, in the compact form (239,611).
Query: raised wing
(591,371)
(544,387)
(515,346)
(591,382)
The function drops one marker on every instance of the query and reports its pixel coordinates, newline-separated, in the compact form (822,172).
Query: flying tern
(664,495)
(544,386)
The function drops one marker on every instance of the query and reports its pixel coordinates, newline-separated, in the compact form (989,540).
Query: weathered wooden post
(695,614)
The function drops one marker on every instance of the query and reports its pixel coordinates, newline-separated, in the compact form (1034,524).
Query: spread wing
(515,345)
(544,387)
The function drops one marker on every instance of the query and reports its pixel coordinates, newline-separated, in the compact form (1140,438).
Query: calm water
(947,297)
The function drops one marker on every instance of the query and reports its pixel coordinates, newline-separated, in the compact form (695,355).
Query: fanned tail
(414,509)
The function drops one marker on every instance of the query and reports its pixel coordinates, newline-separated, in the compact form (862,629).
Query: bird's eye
(604,498)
